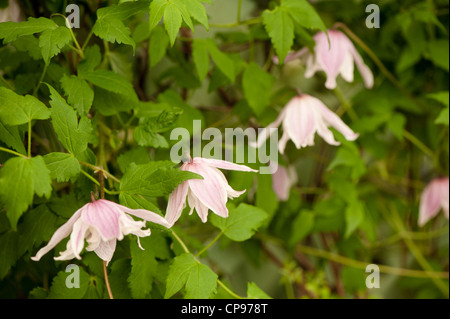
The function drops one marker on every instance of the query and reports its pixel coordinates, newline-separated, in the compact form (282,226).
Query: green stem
(44,72)
(12,152)
(98,184)
(210,244)
(362,265)
(221,284)
(96,168)
(86,42)
(239,12)
(236,24)
(346,105)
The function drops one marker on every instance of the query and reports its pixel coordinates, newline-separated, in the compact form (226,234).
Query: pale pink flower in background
(101,223)
(211,192)
(334,57)
(434,197)
(302,117)
(11,13)
(282,181)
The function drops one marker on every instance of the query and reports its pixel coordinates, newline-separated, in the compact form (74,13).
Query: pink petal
(430,202)
(77,237)
(106,250)
(143,214)
(176,204)
(59,235)
(300,121)
(104,216)
(333,120)
(211,191)
(230,191)
(347,68)
(281,183)
(331,55)
(266,132)
(283,141)
(222,164)
(366,73)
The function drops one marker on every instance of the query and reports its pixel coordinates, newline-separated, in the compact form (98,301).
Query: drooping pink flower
(209,193)
(335,57)
(434,197)
(302,117)
(101,223)
(282,180)
(11,13)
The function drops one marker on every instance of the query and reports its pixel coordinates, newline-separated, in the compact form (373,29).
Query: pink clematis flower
(211,192)
(101,223)
(302,117)
(11,13)
(434,197)
(282,180)
(335,57)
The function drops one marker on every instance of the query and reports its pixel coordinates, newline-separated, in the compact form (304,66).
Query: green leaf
(198,279)
(254,292)
(302,226)
(172,21)
(354,215)
(92,58)
(159,42)
(441,97)
(222,60)
(348,155)
(124,10)
(257,85)
(63,167)
(8,252)
(153,179)
(113,30)
(52,41)
(137,155)
(79,94)
(443,117)
(439,53)
(144,137)
(265,195)
(111,82)
(60,290)
(280,27)
(10,31)
(157,8)
(303,14)
(200,56)
(11,137)
(143,268)
(73,135)
(397,125)
(20,179)
(17,110)
(241,223)
(198,12)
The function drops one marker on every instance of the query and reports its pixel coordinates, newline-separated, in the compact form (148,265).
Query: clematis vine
(101,223)
(209,193)
(334,57)
(301,118)
(282,181)
(434,197)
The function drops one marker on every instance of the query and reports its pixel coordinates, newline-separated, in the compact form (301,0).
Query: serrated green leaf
(303,14)
(111,82)
(241,223)
(198,12)
(79,94)
(11,137)
(63,167)
(198,279)
(10,31)
(172,21)
(20,179)
(280,27)
(124,10)
(257,85)
(143,268)
(138,155)
(113,30)
(60,290)
(157,8)
(73,135)
(222,60)
(92,58)
(159,42)
(52,41)
(17,110)
(200,56)
(254,292)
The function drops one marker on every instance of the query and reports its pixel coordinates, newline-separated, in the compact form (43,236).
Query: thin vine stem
(108,287)
(6,150)
(209,245)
